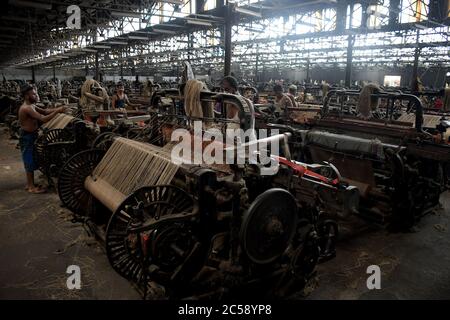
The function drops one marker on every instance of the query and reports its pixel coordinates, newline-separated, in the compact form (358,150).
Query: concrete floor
(38,242)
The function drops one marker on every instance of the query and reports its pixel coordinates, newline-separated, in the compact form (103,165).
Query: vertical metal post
(227,31)
(190,45)
(96,76)
(256,67)
(33,76)
(341,12)
(86,67)
(308,75)
(415,71)
(394,9)
(348,67)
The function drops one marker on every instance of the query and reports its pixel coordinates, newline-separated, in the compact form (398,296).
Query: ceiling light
(125,14)
(118,42)
(164,31)
(144,32)
(173,25)
(200,22)
(180,2)
(73,53)
(248,12)
(88,50)
(137,38)
(253,30)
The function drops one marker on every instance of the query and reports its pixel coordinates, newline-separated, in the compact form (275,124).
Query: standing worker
(29,118)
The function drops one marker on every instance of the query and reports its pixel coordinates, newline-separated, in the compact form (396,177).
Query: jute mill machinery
(58,140)
(197,230)
(400,167)
(70,133)
(67,134)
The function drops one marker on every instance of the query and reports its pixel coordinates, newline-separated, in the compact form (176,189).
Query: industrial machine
(182,230)
(58,140)
(400,167)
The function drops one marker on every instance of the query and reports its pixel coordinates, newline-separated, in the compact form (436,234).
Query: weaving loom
(58,140)
(414,168)
(178,211)
(166,217)
(60,121)
(127,166)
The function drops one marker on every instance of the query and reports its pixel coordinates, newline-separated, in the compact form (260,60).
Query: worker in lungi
(30,117)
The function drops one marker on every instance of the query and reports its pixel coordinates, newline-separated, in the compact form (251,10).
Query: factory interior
(216,150)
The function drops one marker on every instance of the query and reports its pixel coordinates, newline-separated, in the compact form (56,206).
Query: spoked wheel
(71,189)
(306,257)
(327,232)
(104,140)
(303,261)
(54,147)
(154,251)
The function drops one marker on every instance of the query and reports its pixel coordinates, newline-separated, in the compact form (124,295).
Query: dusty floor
(38,242)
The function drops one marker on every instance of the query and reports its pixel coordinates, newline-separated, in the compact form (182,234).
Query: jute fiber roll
(127,166)
(366,103)
(90,101)
(60,121)
(86,87)
(193,106)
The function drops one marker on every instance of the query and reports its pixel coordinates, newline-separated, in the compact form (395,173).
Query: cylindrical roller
(104,192)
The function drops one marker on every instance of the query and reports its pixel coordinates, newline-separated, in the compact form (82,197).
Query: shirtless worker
(120,99)
(29,118)
(282,101)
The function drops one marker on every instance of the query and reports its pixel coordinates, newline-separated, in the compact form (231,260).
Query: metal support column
(200,4)
(341,13)
(220,3)
(256,67)
(365,15)
(348,67)
(308,75)
(33,76)
(86,67)
(394,9)
(415,71)
(96,76)
(227,33)
(190,46)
